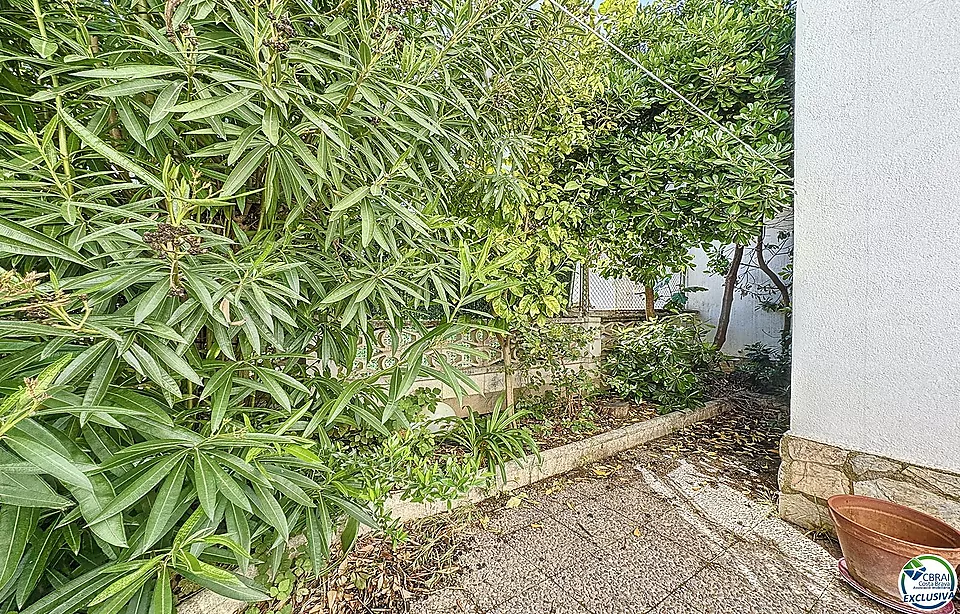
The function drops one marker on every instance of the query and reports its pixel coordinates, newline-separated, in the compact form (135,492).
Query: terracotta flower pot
(879,537)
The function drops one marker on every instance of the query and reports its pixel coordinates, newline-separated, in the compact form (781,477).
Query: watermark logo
(928,582)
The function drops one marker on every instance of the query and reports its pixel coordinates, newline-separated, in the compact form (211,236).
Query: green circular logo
(927,582)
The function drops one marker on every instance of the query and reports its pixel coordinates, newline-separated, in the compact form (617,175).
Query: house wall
(876,344)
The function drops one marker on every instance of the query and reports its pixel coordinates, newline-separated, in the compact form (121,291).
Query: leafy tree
(519,199)
(675,179)
(203,206)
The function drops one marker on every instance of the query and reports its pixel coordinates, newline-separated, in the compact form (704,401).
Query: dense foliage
(203,207)
(553,362)
(673,180)
(665,362)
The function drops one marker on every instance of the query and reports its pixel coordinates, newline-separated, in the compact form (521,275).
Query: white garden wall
(749,323)
(877,229)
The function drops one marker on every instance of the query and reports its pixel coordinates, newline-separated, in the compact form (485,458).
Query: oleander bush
(204,206)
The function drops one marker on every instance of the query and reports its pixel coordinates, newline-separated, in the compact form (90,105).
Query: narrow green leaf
(163,506)
(102,378)
(173,360)
(215,579)
(16,527)
(129,71)
(97,144)
(318,537)
(247,165)
(44,48)
(271,511)
(217,106)
(206,483)
(129,88)
(18,239)
(239,528)
(125,582)
(29,491)
(140,487)
(36,564)
(162,602)
(229,487)
(46,459)
(271,124)
(351,199)
(150,300)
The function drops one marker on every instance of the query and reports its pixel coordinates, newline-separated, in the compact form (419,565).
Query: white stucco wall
(877,228)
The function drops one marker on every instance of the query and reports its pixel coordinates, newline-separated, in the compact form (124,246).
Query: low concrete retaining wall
(812,472)
(555,461)
(519,473)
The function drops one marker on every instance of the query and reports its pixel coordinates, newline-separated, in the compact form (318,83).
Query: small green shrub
(765,369)
(495,438)
(665,362)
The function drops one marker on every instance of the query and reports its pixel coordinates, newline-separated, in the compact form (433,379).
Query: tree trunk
(775,279)
(650,298)
(729,286)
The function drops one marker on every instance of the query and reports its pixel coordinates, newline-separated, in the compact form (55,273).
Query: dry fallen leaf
(514,502)
(637,532)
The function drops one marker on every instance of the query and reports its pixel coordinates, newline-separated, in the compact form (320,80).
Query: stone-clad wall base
(812,472)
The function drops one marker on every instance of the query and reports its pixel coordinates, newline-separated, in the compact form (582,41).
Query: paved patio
(642,533)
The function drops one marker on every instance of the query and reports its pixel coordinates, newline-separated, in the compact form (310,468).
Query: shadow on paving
(679,525)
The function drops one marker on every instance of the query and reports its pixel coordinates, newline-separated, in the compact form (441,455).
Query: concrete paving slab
(545,598)
(550,545)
